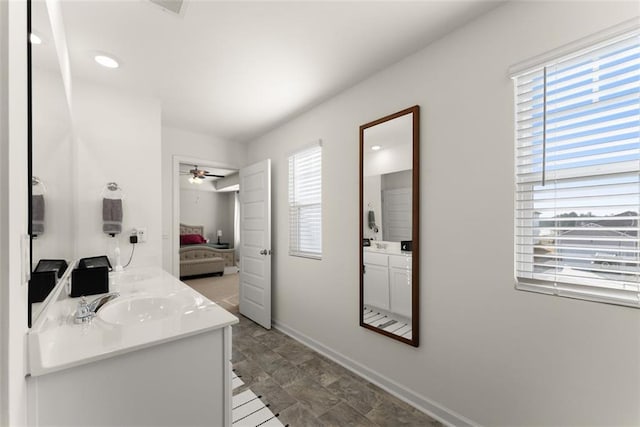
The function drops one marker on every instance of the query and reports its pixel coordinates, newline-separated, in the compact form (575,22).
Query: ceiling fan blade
(201,173)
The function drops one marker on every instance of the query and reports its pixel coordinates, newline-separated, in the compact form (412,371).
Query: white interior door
(255,242)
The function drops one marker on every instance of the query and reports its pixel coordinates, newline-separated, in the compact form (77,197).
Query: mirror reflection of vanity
(389,196)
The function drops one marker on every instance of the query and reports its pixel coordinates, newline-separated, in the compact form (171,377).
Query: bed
(198,258)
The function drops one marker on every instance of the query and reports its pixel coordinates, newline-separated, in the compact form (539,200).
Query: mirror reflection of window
(396,206)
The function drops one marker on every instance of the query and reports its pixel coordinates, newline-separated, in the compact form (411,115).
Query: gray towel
(112,216)
(37,215)
(372,219)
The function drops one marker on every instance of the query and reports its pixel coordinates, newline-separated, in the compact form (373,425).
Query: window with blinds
(577,174)
(305,203)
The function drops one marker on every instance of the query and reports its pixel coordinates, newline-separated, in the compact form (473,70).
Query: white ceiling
(237,69)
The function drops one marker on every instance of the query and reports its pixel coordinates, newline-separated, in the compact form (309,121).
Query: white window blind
(577,174)
(305,203)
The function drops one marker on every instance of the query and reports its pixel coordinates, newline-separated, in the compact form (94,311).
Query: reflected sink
(129,311)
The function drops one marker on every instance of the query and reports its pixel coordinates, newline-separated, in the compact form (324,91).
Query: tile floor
(307,389)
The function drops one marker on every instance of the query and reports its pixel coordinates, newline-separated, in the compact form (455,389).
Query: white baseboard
(429,407)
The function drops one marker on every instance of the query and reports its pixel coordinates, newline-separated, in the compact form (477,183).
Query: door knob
(263,252)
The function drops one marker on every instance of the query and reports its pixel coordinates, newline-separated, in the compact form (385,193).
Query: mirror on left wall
(51,145)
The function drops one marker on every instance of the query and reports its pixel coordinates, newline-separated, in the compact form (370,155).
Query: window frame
(294,207)
(623,295)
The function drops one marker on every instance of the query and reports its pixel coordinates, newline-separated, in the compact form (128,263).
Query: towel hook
(37,182)
(112,191)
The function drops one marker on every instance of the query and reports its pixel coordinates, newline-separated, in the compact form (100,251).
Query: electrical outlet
(140,233)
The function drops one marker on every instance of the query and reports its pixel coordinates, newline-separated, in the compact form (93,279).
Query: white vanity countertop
(58,343)
(387,251)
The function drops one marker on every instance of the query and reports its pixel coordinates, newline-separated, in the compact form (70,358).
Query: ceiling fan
(198,175)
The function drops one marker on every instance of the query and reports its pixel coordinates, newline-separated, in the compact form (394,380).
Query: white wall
(393,159)
(488,352)
(186,144)
(395,180)
(4,209)
(13,211)
(118,140)
(212,210)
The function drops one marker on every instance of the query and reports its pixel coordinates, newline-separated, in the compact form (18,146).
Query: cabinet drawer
(400,261)
(376,259)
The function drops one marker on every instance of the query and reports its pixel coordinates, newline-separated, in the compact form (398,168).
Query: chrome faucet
(87,311)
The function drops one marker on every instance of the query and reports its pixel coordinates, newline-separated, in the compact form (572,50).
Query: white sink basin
(130,311)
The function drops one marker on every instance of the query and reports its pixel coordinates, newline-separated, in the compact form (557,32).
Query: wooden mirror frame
(415,227)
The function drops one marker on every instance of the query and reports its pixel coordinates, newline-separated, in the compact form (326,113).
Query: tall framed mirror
(389,225)
(51,218)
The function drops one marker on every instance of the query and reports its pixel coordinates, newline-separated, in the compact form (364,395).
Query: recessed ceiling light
(376,147)
(35,39)
(106,61)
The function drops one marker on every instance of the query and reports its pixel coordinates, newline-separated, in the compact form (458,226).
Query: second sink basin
(128,311)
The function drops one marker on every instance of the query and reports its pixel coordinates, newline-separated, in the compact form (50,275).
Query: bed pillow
(191,239)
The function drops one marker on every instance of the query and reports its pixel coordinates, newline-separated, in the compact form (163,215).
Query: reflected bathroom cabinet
(389,225)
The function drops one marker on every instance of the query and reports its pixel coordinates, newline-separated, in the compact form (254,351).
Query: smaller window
(305,202)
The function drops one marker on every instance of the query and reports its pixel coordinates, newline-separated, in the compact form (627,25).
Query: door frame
(174,234)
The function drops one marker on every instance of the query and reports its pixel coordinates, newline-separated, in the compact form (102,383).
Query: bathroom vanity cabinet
(160,355)
(376,280)
(387,281)
(184,382)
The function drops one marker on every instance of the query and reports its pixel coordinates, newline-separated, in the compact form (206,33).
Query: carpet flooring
(223,290)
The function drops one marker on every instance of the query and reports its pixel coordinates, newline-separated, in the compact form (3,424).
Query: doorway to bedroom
(208,216)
